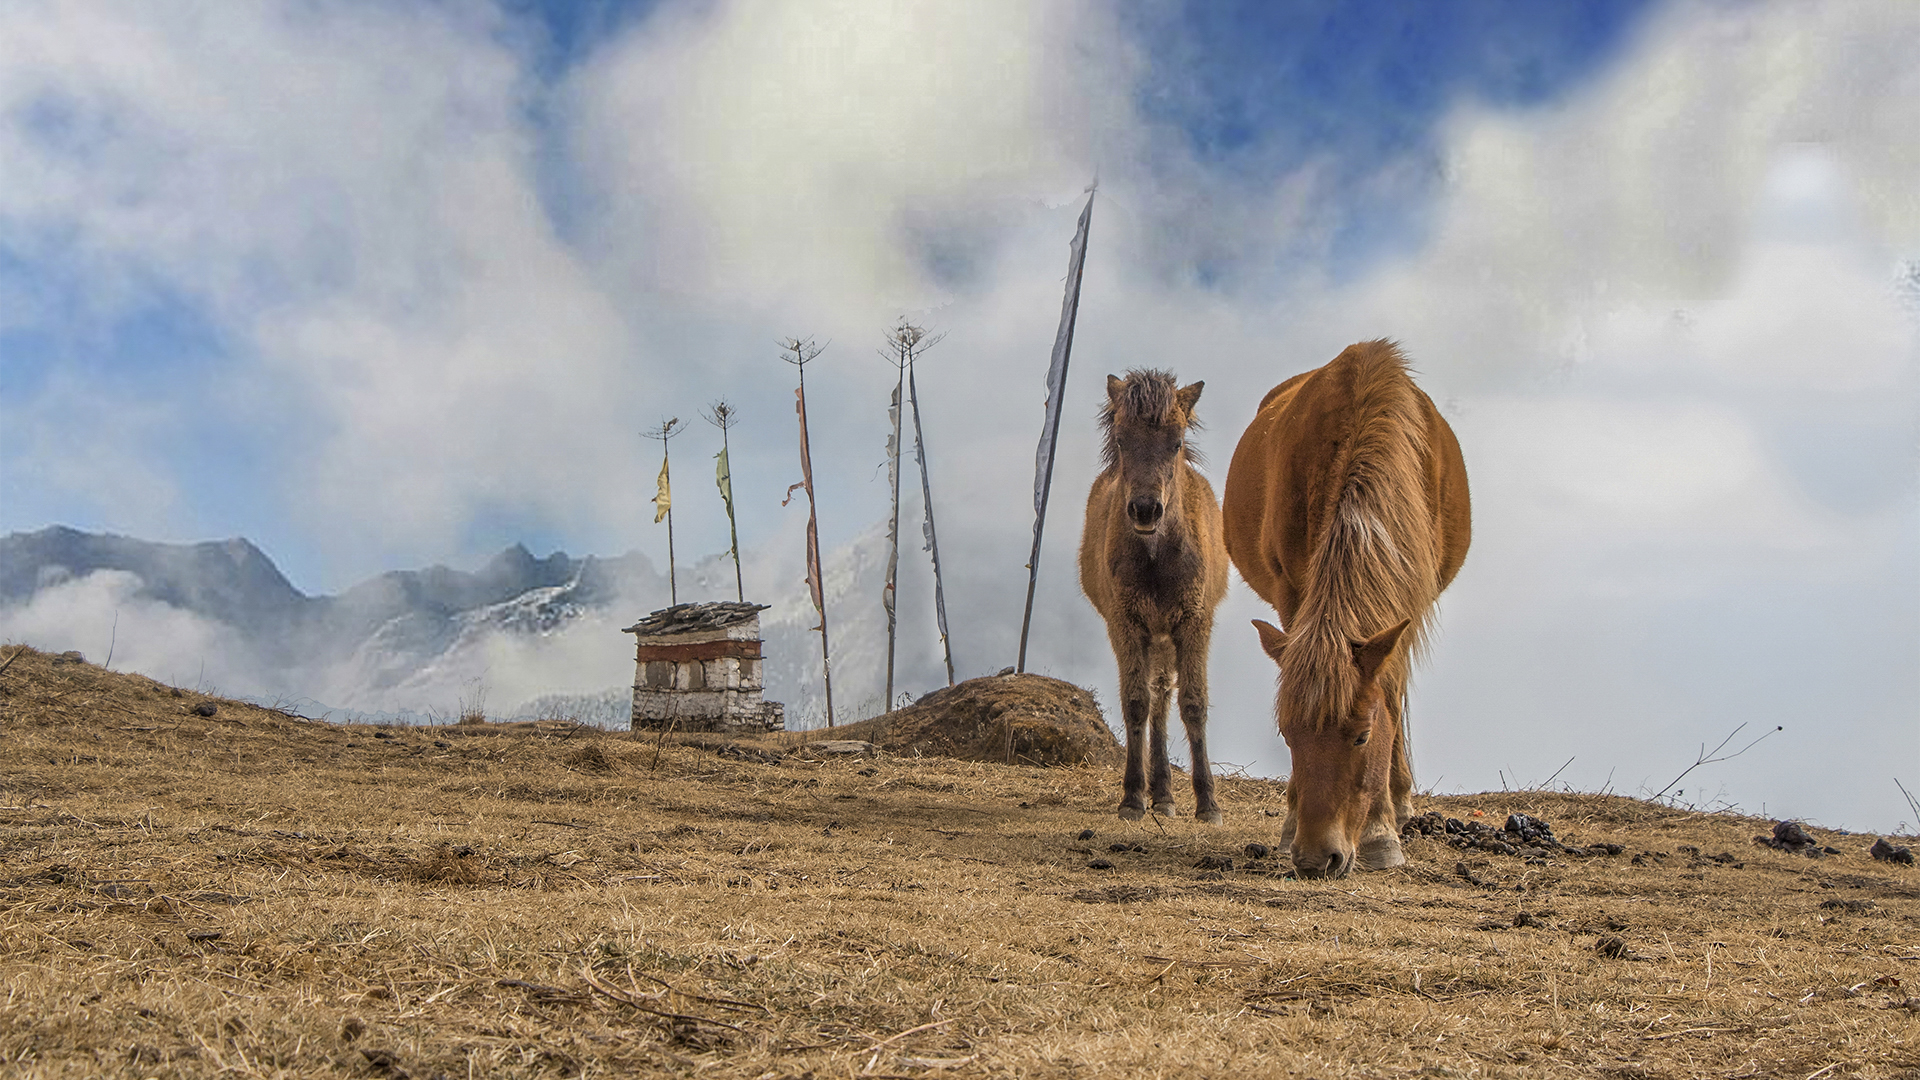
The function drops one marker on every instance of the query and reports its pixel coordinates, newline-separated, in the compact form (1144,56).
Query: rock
(71,656)
(1470,875)
(1791,833)
(840,747)
(1529,829)
(745,752)
(1882,851)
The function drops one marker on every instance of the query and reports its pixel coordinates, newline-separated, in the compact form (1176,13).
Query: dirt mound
(1007,719)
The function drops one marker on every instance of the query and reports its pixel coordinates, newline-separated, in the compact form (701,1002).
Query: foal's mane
(1376,562)
(1148,397)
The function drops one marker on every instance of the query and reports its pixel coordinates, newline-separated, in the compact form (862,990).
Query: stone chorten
(697,668)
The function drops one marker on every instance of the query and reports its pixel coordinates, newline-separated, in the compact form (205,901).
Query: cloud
(848,153)
(105,617)
(349,194)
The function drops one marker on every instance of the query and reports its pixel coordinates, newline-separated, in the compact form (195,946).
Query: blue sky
(383,285)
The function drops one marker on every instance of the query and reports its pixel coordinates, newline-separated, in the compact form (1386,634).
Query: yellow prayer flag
(664,500)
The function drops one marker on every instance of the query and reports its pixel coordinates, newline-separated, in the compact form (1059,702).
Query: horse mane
(1148,397)
(1376,562)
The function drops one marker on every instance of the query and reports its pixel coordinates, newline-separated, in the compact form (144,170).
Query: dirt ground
(251,894)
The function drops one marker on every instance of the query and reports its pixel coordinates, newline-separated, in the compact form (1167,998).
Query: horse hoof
(1132,813)
(1380,853)
(1210,817)
(1165,809)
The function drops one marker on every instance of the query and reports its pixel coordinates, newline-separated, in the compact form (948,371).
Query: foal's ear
(1115,384)
(1189,396)
(1272,638)
(1368,655)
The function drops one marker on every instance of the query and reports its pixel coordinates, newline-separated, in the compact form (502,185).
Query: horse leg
(1161,776)
(1379,848)
(1130,648)
(1380,845)
(1191,649)
(1400,781)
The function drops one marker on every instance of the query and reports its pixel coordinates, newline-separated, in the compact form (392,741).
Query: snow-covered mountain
(524,635)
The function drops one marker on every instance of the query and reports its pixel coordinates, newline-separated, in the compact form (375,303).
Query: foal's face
(1342,765)
(1152,452)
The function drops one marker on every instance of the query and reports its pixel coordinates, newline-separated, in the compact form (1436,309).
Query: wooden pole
(667,430)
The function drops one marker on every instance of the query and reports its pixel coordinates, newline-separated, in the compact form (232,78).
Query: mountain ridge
(540,632)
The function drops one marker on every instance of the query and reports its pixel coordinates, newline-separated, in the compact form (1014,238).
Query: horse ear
(1368,655)
(1189,396)
(1115,384)
(1272,638)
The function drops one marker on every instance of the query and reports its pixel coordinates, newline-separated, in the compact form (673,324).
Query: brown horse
(1152,562)
(1346,509)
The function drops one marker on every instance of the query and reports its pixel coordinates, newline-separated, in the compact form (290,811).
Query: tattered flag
(663,500)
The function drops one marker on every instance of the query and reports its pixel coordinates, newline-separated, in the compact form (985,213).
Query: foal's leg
(1190,646)
(1130,649)
(1161,770)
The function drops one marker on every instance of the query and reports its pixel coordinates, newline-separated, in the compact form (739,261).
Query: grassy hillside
(251,894)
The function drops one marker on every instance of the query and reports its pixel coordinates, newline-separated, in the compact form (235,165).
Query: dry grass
(251,894)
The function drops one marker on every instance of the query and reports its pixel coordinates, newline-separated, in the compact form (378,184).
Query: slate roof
(693,618)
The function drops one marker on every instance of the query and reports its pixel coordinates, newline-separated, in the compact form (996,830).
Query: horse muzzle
(1144,513)
(1324,864)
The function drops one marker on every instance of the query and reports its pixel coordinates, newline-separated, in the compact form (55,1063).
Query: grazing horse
(1152,562)
(1346,509)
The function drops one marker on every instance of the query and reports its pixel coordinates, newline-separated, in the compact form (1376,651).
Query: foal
(1154,565)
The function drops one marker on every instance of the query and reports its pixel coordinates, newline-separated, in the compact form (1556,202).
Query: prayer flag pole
(803,352)
(1050,429)
(663,499)
(723,416)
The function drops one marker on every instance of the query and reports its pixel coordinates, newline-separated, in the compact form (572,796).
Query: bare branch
(1707,756)
(1911,801)
(1556,772)
(803,350)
